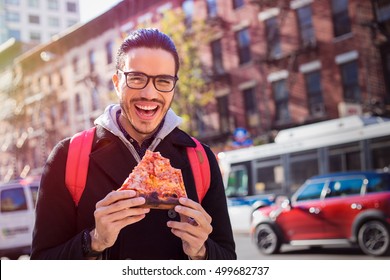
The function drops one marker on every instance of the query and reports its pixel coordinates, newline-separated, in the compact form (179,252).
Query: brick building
(272,64)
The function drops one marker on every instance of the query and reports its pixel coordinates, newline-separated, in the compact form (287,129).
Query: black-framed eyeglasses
(139,80)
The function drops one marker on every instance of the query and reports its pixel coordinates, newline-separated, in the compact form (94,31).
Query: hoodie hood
(108,121)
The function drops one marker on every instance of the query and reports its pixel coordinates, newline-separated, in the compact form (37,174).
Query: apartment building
(36,20)
(286,63)
(271,64)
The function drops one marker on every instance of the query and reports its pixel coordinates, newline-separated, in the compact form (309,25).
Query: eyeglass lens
(161,82)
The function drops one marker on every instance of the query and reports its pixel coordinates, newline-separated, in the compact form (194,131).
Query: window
(110,86)
(91,56)
(78,105)
(379,183)
(302,165)
(71,7)
(270,177)
(340,17)
(238,3)
(243,45)
(212,8)
(54,22)
(188,8)
(109,52)
(273,37)
(13,199)
(350,81)
(33,19)
(310,191)
(280,92)
(380,152)
(216,50)
(53,5)
(344,187)
(345,158)
(382,10)
(251,111)
(71,22)
(14,34)
(237,181)
(64,111)
(306,25)
(60,79)
(12,2)
(314,93)
(33,3)
(35,36)
(75,64)
(12,17)
(223,110)
(95,99)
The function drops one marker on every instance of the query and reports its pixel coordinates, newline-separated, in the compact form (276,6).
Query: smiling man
(108,224)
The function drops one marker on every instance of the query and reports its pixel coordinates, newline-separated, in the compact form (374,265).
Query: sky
(90,9)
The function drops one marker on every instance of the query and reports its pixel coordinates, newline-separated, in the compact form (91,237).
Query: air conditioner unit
(317,110)
(349,109)
(309,43)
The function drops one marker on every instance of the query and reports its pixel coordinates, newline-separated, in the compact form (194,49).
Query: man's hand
(193,229)
(117,210)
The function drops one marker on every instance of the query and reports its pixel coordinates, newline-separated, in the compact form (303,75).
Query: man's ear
(115,81)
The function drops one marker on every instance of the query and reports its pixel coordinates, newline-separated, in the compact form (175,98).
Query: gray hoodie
(108,121)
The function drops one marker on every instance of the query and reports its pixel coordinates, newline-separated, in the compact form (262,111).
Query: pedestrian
(110,224)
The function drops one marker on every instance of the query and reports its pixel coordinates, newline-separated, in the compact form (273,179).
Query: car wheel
(374,238)
(267,240)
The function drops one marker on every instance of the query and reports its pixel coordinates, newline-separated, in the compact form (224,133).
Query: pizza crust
(157,181)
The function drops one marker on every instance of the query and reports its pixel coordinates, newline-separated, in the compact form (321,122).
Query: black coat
(58,227)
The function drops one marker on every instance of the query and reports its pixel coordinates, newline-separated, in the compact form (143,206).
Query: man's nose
(149,92)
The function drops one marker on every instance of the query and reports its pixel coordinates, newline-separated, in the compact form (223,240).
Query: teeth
(146,108)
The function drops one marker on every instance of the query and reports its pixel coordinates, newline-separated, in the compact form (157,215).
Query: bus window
(302,166)
(345,158)
(381,152)
(237,182)
(269,179)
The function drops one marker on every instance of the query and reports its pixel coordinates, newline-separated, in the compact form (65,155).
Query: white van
(17,215)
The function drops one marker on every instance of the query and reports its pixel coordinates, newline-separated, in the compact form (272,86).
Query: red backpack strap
(77,162)
(200,168)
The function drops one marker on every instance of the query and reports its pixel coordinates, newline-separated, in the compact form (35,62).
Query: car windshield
(310,191)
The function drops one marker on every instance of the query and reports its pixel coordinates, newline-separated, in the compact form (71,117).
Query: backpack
(78,161)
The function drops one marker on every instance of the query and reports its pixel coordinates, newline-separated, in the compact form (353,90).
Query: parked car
(17,216)
(351,208)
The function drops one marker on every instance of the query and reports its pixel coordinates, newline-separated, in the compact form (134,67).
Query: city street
(246,250)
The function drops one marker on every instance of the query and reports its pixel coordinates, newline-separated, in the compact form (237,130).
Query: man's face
(144,109)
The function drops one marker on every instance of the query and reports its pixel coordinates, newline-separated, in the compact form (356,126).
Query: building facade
(36,20)
(271,64)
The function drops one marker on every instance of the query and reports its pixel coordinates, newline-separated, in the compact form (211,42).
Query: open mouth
(146,111)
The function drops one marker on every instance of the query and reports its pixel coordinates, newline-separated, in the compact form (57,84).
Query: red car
(334,209)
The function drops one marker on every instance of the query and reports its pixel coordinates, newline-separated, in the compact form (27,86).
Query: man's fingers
(192,208)
(114,196)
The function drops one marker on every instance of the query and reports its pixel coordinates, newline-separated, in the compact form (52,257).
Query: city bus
(254,176)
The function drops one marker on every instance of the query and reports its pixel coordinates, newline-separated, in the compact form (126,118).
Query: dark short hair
(148,38)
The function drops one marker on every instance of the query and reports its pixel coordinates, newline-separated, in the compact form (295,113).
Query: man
(111,225)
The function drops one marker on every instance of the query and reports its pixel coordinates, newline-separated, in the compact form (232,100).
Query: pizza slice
(157,181)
